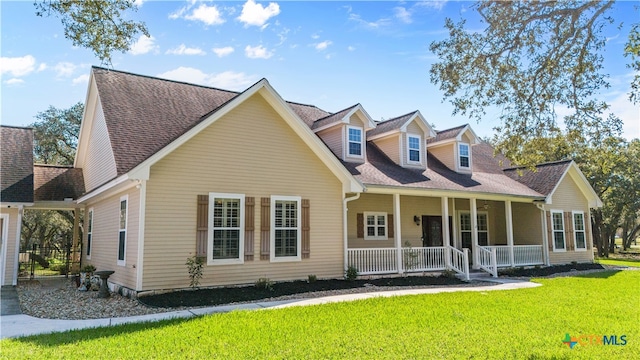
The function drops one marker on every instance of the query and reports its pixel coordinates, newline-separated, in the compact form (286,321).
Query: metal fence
(46,261)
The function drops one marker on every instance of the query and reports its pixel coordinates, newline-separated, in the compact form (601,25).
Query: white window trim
(123,262)
(486,214)
(459,156)
(90,215)
(386,226)
(210,259)
(583,231)
(409,161)
(298,257)
(349,141)
(553,231)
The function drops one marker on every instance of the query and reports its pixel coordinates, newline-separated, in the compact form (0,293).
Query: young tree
(98,25)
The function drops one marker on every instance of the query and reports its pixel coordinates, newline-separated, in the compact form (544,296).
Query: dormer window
(354,147)
(464,157)
(414,149)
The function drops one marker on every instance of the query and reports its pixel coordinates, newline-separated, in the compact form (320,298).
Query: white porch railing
(423,259)
(373,261)
(487,260)
(459,261)
(384,260)
(523,255)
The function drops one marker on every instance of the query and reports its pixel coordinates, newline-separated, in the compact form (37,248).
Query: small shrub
(312,278)
(448,274)
(88,269)
(194,267)
(351,273)
(264,284)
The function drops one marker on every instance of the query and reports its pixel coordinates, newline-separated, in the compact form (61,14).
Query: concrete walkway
(23,325)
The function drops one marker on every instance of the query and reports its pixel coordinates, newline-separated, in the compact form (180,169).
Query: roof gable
(16,164)
(400,124)
(455,134)
(342,117)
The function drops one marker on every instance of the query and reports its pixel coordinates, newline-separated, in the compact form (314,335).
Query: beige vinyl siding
(414,128)
(355,120)
(10,247)
(334,140)
(567,198)
(104,238)
(527,225)
(446,155)
(100,164)
(497,222)
(250,151)
(390,147)
(466,138)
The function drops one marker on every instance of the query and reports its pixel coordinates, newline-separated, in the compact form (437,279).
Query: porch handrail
(458,261)
(487,260)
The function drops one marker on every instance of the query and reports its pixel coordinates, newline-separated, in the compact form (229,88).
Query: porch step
(475,275)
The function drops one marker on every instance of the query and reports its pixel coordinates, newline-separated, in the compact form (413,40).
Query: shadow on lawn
(81,335)
(601,274)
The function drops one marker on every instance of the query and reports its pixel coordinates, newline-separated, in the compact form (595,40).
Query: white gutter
(111,184)
(344,228)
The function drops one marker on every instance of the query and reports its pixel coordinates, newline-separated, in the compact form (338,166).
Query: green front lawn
(517,324)
(616,262)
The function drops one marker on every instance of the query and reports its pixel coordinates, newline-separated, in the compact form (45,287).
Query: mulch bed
(220,296)
(548,270)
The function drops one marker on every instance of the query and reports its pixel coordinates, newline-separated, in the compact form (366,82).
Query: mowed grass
(515,324)
(615,262)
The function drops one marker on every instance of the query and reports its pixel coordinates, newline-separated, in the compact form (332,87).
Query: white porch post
(455,225)
(398,230)
(545,238)
(509,220)
(474,231)
(446,240)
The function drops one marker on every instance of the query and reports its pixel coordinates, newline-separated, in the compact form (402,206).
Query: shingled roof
(332,118)
(144,114)
(447,134)
(16,164)
(57,183)
(487,178)
(391,124)
(544,179)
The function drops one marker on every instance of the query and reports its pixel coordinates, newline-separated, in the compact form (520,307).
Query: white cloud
(628,113)
(14,81)
(323,45)
(144,45)
(438,5)
(17,66)
(257,15)
(351,48)
(42,67)
(315,36)
(64,69)
(138,3)
(403,14)
(82,79)
(257,52)
(210,15)
(369,24)
(184,50)
(223,51)
(230,80)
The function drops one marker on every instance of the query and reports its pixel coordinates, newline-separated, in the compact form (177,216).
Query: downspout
(545,239)
(344,229)
(16,262)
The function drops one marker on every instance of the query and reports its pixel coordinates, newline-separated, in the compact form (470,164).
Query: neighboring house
(262,187)
(31,187)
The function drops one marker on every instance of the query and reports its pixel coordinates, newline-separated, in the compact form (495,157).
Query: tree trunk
(597,226)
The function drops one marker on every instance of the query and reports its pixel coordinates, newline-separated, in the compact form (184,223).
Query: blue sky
(331,54)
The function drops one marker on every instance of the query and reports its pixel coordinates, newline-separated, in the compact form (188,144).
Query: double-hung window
(354,135)
(579,231)
(122,233)
(226,235)
(375,226)
(466,229)
(483,229)
(285,232)
(464,156)
(557,223)
(89,232)
(414,149)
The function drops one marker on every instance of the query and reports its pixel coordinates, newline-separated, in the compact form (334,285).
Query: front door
(432,230)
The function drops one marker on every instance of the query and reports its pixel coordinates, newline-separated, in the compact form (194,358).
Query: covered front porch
(405,232)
